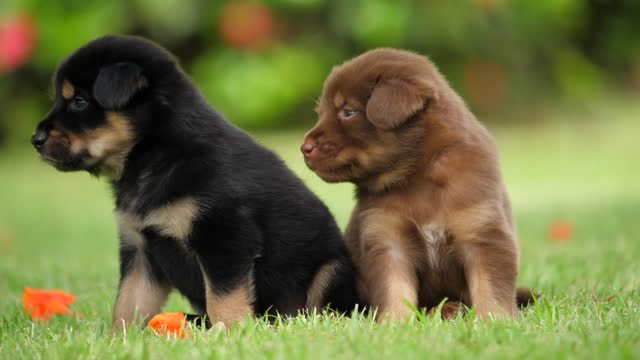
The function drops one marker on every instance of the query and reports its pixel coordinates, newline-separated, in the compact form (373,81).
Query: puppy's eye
(347,113)
(78,104)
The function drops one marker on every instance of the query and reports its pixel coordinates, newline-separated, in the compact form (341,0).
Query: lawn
(57,231)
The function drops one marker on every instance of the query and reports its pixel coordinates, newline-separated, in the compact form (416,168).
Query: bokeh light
(262,62)
(246,24)
(18,37)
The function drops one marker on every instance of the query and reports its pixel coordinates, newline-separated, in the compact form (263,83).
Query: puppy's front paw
(218,327)
(449,310)
(119,327)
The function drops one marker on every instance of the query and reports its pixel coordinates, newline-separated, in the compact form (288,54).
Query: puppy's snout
(311,141)
(39,138)
(307,147)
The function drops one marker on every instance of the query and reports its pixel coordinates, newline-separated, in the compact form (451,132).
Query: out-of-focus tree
(262,62)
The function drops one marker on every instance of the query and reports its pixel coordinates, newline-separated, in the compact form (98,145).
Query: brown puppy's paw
(525,296)
(449,310)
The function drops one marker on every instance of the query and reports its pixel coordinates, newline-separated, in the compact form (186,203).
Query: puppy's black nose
(39,138)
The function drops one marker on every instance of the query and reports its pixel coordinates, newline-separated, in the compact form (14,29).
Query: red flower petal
(18,36)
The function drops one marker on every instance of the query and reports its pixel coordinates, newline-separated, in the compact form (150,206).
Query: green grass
(56,231)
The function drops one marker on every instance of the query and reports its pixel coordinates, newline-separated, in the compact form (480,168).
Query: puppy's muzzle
(39,138)
(314,151)
(307,148)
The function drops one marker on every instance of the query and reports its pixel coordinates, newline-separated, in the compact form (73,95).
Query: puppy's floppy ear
(394,101)
(116,84)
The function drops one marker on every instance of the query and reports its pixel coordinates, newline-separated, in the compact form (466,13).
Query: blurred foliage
(262,63)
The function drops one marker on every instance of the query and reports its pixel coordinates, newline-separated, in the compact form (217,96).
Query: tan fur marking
(77,143)
(322,279)
(231,307)
(68,90)
(109,145)
(139,297)
(55,133)
(174,219)
(112,144)
(130,227)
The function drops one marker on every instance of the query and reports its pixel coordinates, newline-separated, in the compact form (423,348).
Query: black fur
(255,216)
(116,84)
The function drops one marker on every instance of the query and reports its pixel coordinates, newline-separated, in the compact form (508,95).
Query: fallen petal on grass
(171,323)
(42,304)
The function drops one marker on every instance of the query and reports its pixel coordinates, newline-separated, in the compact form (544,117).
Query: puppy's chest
(173,220)
(437,245)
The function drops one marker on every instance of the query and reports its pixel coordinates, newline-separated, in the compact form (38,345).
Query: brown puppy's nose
(307,148)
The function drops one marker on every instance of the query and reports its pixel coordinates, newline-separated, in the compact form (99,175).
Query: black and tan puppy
(200,206)
(433,218)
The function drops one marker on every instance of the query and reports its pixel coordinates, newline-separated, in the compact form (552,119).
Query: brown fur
(139,298)
(229,307)
(433,218)
(105,148)
(321,280)
(449,310)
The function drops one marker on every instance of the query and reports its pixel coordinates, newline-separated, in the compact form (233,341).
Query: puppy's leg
(391,282)
(525,296)
(320,284)
(227,266)
(388,263)
(141,295)
(229,305)
(334,285)
(491,270)
(449,310)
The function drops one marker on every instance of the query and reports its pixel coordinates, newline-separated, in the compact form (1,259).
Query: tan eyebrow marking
(67,90)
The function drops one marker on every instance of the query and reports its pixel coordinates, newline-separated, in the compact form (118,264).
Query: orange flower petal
(41,304)
(169,323)
(55,306)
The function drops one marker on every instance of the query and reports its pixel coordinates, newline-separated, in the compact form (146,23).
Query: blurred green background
(556,81)
(262,63)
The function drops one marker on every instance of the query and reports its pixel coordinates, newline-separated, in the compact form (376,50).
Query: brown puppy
(433,218)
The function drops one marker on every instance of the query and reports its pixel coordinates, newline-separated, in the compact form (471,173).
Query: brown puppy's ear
(394,101)
(116,84)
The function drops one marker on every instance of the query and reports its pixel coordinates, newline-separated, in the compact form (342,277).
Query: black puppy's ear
(116,84)
(394,101)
